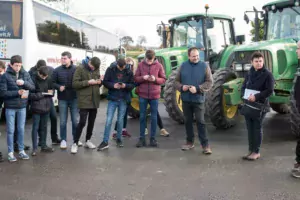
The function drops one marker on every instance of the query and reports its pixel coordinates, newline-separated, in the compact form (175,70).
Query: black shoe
(153,142)
(26,147)
(141,143)
(103,146)
(56,141)
(1,157)
(119,143)
(47,149)
(16,147)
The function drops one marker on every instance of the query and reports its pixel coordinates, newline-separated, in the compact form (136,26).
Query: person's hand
(20,82)
(62,88)
(117,86)
(151,78)
(50,91)
(185,88)
(193,89)
(251,98)
(123,85)
(98,81)
(92,82)
(21,92)
(146,77)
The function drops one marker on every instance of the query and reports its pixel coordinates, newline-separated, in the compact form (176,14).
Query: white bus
(36,31)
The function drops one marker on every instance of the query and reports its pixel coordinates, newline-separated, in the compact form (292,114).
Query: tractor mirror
(246,18)
(159,30)
(209,22)
(240,39)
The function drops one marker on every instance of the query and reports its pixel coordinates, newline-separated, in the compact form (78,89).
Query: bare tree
(62,4)
(126,41)
(142,39)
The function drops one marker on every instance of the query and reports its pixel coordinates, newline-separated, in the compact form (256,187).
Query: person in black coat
(296,170)
(261,80)
(53,116)
(15,84)
(41,99)
(2,70)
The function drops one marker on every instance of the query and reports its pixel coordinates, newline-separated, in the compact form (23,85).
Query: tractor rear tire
(215,104)
(133,112)
(172,99)
(280,108)
(294,113)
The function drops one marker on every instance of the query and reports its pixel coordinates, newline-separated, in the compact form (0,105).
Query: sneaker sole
(187,149)
(87,147)
(295,176)
(12,161)
(103,148)
(72,152)
(24,158)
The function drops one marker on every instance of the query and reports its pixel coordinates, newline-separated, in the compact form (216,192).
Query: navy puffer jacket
(9,88)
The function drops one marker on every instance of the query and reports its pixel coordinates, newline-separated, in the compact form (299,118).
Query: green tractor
(214,35)
(281,32)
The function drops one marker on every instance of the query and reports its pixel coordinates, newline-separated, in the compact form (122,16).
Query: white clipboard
(248,92)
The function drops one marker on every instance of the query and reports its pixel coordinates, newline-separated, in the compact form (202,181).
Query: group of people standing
(78,90)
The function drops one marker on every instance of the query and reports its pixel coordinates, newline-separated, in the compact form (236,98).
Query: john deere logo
(242,55)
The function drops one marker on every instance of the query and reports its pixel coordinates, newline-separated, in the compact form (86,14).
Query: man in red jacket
(150,76)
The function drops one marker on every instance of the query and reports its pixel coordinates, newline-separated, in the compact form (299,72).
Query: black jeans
(125,120)
(254,127)
(189,109)
(298,151)
(82,121)
(159,122)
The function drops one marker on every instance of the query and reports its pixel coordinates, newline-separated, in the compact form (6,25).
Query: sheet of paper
(248,92)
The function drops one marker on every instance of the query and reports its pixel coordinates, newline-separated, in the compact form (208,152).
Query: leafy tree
(126,41)
(261,30)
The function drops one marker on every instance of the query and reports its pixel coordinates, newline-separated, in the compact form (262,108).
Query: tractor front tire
(294,113)
(280,108)
(172,99)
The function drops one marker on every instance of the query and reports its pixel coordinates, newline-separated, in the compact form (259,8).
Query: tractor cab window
(219,36)
(188,34)
(285,24)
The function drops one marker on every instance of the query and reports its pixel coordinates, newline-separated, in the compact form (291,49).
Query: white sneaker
(80,144)
(89,145)
(146,131)
(63,144)
(74,148)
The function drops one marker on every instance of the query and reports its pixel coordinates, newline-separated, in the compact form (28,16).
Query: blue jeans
(39,125)
(143,114)
(10,115)
(63,114)
(111,108)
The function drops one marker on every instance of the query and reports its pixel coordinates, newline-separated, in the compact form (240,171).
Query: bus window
(11,20)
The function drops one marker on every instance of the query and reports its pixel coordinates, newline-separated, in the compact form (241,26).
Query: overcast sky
(117,14)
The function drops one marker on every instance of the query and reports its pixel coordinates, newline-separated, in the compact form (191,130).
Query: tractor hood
(167,51)
(270,45)
(279,56)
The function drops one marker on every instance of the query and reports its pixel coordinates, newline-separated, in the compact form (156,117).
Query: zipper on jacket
(149,83)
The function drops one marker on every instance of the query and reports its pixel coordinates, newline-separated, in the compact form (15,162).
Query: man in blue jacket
(15,84)
(119,82)
(62,81)
(194,78)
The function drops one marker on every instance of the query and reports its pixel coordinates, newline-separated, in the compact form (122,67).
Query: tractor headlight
(238,67)
(247,67)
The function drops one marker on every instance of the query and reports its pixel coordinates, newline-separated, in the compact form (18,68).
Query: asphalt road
(165,173)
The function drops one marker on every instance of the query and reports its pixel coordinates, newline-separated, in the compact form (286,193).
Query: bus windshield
(285,24)
(11,20)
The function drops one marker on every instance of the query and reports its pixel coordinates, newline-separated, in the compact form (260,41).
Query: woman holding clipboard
(258,86)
